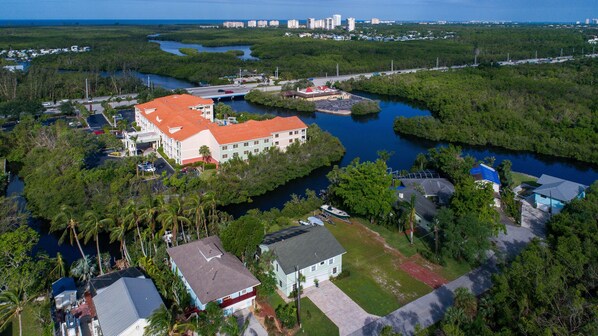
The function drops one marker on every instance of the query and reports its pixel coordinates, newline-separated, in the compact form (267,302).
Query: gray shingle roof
(302,246)
(439,187)
(558,189)
(211,272)
(425,208)
(124,302)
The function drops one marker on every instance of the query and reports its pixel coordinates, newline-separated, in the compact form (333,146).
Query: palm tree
(66,221)
(119,232)
(84,269)
(204,152)
(172,217)
(12,304)
(149,210)
(231,326)
(132,218)
(410,207)
(164,322)
(92,226)
(195,208)
(59,267)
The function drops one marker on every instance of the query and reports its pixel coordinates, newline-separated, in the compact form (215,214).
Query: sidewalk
(430,308)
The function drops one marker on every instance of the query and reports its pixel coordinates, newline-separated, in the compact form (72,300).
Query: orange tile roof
(254,129)
(173,112)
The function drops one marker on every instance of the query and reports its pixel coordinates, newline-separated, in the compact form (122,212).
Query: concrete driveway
(430,308)
(254,328)
(339,308)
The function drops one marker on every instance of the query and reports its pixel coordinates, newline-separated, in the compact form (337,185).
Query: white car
(146,167)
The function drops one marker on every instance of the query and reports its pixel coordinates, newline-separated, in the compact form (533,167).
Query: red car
(98,132)
(229,91)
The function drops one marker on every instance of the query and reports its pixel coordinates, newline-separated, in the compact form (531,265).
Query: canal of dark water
(362,137)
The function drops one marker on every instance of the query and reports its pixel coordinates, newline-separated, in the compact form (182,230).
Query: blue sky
(512,10)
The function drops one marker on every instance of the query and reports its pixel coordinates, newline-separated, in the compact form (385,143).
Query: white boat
(315,221)
(304,222)
(334,211)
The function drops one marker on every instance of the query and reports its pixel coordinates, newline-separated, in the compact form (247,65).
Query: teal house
(553,193)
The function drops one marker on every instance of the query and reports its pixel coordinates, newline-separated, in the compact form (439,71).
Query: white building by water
(293,24)
(350,24)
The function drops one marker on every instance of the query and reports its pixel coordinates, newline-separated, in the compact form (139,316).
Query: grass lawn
(452,270)
(313,321)
(31,323)
(519,178)
(376,281)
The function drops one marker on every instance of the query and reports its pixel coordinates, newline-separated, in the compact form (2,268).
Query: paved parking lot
(339,308)
(96,121)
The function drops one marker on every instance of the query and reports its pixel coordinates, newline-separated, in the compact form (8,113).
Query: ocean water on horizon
(73,22)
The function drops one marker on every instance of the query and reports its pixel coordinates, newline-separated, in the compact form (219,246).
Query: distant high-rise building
(350,24)
(595,21)
(337,19)
(293,24)
(587,21)
(375,21)
(262,24)
(233,24)
(274,23)
(311,23)
(329,23)
(251,24)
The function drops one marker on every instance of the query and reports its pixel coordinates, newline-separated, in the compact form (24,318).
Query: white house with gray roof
(553,193)
(312,250)
(124,307)
(213,275)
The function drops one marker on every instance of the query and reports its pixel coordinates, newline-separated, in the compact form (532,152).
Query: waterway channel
(362,138)
(174,47)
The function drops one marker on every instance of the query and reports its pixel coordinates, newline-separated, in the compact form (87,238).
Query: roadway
(219,91)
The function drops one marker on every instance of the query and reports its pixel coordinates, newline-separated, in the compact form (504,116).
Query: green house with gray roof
(312,250)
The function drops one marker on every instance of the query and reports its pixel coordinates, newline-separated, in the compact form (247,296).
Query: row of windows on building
(314,268)
(245,144)
(257,150)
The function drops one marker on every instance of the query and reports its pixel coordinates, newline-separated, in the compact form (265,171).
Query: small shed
(64,292)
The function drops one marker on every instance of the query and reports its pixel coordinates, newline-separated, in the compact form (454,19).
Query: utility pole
(561,52)
(298,284)
(276,72)
(336,69)
(392,65)
(536,54)
(475,59)
(86,90)
(508,57)
(437,62)
(436,235)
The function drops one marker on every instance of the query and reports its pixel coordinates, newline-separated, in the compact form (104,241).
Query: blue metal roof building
(482,172)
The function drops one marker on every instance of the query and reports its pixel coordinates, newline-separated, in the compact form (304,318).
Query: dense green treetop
(364,189)
(550,109)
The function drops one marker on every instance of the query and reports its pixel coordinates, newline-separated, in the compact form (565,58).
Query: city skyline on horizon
(394,10)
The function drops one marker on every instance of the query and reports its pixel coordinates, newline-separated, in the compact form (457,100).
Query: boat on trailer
(329,209)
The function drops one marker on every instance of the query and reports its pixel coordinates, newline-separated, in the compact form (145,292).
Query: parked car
(146,167)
